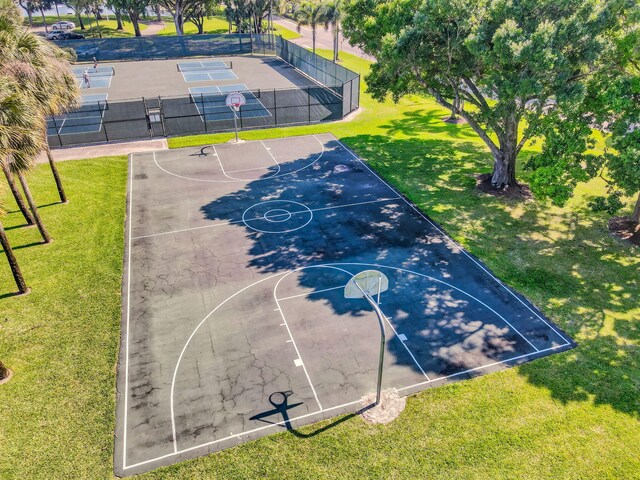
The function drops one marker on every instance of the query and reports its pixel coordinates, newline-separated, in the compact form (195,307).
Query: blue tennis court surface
(87,119)
(210,102)
(98,77)
(205,71)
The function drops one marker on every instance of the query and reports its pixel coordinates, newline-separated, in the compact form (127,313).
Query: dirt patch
(517,192)
(454,121)
(390,407)
(626,229)
(5,375)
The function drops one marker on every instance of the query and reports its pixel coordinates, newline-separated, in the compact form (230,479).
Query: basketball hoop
(234,101)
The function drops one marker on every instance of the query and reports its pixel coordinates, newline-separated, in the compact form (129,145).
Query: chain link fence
(336,95)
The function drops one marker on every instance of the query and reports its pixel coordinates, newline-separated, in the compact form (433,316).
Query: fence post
(55,125)
(309,102)
(104,126)
(275,108)
(204,114)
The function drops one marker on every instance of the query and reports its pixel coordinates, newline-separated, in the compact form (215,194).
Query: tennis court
(207,70)
(87,119)
(236,261)
(99,77)
(210,102)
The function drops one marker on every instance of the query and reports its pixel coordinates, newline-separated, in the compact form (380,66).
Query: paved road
(324,38)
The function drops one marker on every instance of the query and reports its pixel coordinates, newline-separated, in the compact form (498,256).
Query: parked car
(71,36)
(55,35)
(63,25)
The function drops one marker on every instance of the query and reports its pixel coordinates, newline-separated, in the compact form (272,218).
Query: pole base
(390,407)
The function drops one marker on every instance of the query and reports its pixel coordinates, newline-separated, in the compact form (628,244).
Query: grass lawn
(215,25)
(574,415)
(108,28)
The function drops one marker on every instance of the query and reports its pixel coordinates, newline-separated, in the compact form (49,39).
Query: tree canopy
(502,66)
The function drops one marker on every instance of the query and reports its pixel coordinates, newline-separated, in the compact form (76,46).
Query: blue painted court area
(205,71)
(210,102)
(87,119)
(98,77)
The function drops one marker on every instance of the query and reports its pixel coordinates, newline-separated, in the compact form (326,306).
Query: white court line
(229,181)
(293,342)
(126,361)
(176,451)
(271,155)
(232,222)
(247,432)
(452,242)
(385,317)
(312,293)
(512,359)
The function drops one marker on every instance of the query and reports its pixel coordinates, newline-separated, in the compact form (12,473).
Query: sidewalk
(104,150)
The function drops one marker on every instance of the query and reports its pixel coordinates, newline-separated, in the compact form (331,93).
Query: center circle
(277,215)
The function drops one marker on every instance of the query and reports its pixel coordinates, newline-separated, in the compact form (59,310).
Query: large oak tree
(499,64)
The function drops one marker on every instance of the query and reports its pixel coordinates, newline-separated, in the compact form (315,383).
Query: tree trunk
(636,211)
(34,209)
(229,26)
(44,20)
(15,268)
(504,169)
(98,14)
(457,104)
(313,36)
(178,22)
(16,194)
(80,20)
(98,24)
(336,41)
(56,175)
(119,20)
(159,14)
(30,15)
(57,12)
(135,21)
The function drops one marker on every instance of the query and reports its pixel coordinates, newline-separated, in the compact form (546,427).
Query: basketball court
(234,311)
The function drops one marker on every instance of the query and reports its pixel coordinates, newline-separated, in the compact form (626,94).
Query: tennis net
(204,66)
(95,72)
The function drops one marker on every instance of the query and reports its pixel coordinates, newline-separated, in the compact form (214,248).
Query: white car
(54,35)
(63,25)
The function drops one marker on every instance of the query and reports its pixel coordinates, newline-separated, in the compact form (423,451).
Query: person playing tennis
(86,81)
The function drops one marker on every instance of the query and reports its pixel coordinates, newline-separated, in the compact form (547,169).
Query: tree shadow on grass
(562,259)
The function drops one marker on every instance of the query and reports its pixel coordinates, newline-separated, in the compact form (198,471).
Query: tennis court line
(453,242)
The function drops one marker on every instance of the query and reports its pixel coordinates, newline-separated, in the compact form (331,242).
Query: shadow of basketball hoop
(281,407)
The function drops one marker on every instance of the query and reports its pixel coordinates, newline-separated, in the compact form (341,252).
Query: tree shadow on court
(279,415)
(563,260)
(454,332)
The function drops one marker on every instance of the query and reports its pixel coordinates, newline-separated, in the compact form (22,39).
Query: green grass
(211,25)
(574,415)
(108,28)
(216,25)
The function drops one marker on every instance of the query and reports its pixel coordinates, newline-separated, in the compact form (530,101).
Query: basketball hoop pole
(235,122)
(381,319)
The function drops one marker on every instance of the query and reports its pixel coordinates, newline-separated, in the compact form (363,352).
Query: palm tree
(42,69)
(18,121)
(333,18)
(311,14)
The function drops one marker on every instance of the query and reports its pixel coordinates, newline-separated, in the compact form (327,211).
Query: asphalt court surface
(236,260)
